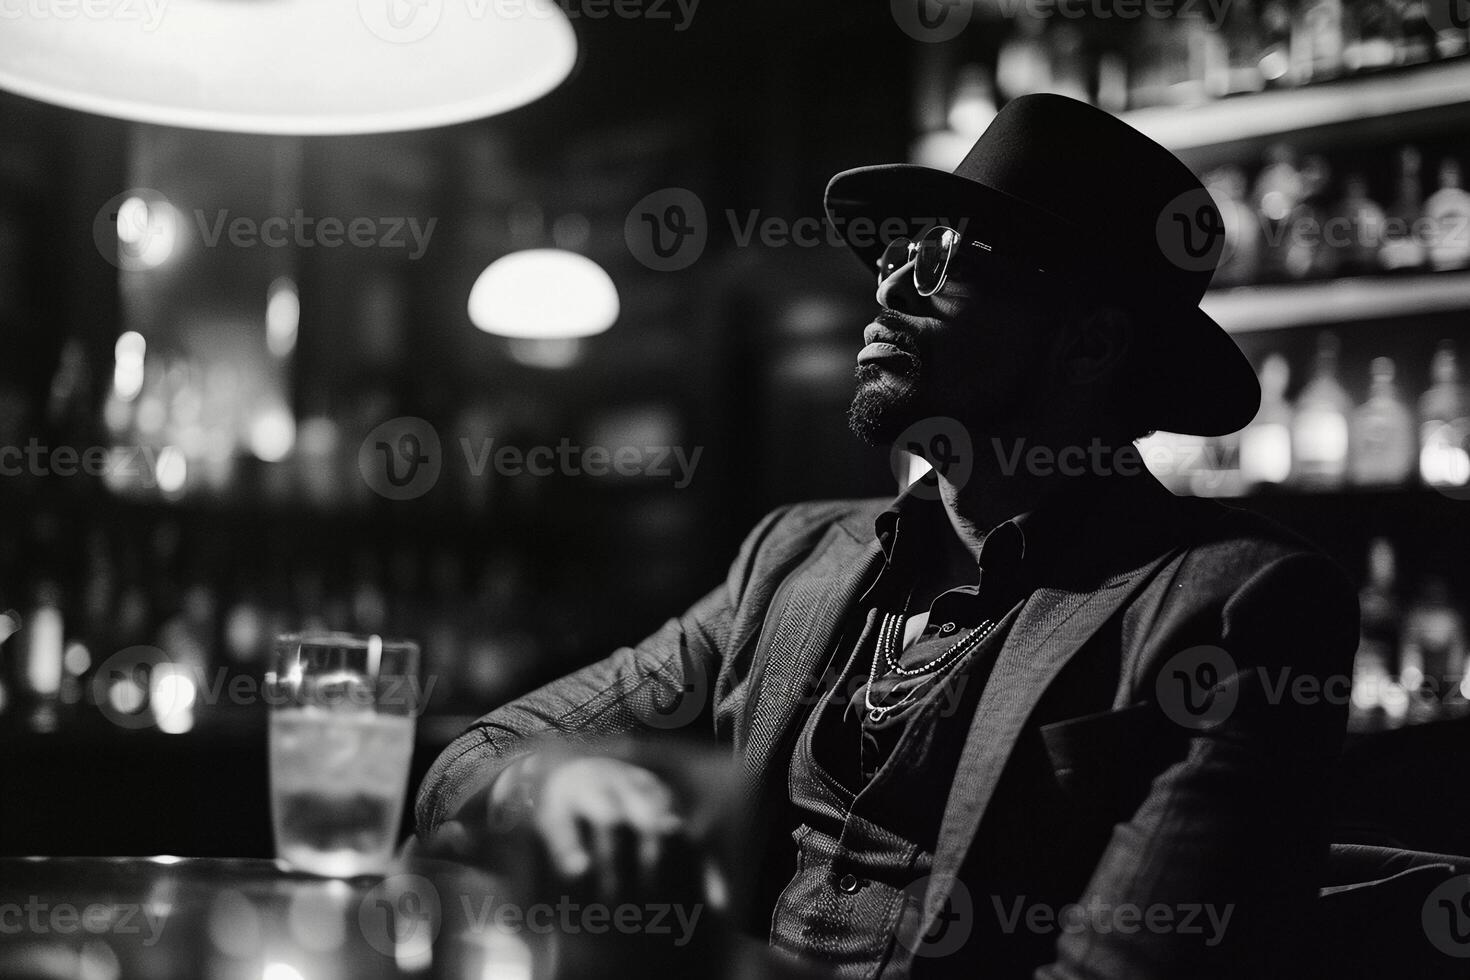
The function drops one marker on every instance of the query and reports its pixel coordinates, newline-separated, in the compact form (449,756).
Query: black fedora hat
(1084,195)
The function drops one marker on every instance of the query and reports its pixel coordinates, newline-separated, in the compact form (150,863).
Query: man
(1038,717)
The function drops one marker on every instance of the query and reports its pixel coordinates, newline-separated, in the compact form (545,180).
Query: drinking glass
(342,710)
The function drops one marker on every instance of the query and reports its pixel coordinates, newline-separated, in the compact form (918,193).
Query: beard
(891,397)
(885,403)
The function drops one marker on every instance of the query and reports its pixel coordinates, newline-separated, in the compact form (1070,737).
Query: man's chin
(883,405)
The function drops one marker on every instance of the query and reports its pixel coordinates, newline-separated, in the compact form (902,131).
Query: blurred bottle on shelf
(1317,41)
(1279,189)
(1022,66)
(1376,698)
(1319,426)
(1417,40)
(1450,37)
(1275,58)
(1448,214)
(1403,244)
(1383,445)
(1306,253)
(1356,234)
(1069,70)
(1370,35)
(42,650)
(1240,33)
(1242,252)
(1444,423)
(1218,474)
(1265,444)
(1112,81)
(1433,654)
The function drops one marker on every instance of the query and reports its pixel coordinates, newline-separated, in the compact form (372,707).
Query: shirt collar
(920,516)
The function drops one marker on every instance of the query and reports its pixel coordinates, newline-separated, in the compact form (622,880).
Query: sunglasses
(931,254)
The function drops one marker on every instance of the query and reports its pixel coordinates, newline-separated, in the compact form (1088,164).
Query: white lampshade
(297,67)
(544,294)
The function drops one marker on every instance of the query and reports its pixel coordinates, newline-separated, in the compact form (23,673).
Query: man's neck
(1002,485)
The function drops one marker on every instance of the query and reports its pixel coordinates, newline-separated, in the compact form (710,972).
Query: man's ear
(1097,345)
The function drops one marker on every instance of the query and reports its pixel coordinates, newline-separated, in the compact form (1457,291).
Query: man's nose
(896,290)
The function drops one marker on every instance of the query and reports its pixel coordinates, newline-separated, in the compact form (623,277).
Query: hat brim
(1203,382)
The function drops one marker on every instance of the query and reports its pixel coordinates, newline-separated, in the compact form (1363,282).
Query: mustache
(903,328)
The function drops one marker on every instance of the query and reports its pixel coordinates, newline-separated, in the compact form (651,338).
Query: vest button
(848,883)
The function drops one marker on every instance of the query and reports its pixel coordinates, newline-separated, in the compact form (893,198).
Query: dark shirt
(867,795)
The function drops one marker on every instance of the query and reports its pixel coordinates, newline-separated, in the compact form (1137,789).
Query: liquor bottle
(1265,444)
(1444,423)
(1070,75)
(1357,236)
(1316,41)
(1307,254)
(1448,211)
(43,649)
(1417,38)
(1319,427)
(1383,447)
(1240,30)
(1112,82)
(1371,32)
(1403,244)
(1022,66)
(1278,191)
(1375,697)
(1433,653)
(1242,253)
(1275,59)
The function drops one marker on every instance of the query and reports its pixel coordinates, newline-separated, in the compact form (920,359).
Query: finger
(558,827)
(652,819)
(600,813)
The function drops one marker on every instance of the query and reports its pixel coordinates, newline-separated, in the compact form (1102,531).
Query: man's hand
(598,816)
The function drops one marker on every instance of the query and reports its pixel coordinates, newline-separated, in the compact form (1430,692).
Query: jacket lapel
(799,634)
(1050,629)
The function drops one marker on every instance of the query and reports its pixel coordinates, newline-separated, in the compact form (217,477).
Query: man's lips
(882,344)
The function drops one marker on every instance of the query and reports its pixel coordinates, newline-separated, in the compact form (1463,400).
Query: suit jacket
(1143,789)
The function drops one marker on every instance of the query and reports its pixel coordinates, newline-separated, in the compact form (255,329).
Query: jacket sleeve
(1214,874)
(663,683)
